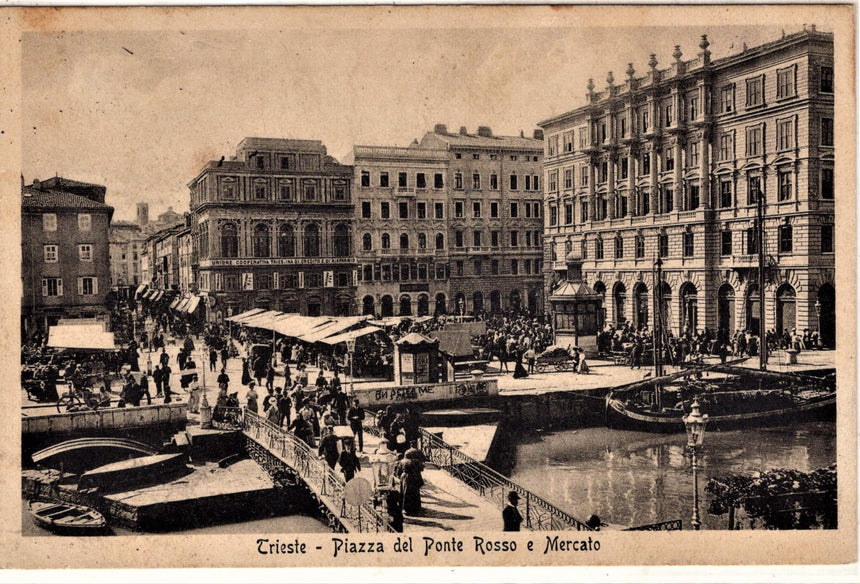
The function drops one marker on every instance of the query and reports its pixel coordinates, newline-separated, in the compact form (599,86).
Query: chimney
(36,184)
(440,129)
(538,135)
(463,130)
(485,131)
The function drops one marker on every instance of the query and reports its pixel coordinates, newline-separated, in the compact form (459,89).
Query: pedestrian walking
(158,379)
(213,359)
(246,372)
(348,461)
(251,398)
(355,416)
(328,448)
(270,377)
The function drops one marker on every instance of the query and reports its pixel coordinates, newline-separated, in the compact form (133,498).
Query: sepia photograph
(380,286)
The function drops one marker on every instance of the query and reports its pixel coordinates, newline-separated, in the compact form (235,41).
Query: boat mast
(761,281)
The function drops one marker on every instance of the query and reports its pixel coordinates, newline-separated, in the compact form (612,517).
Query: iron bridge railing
(317,475)
(538,514)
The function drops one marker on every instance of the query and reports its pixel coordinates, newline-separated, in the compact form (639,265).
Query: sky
(141,112)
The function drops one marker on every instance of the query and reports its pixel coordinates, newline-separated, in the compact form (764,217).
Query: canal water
(635,478)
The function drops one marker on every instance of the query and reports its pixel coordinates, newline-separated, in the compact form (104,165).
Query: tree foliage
(779,499)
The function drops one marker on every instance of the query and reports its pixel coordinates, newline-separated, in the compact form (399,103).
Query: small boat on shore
(133,473)
(66,518)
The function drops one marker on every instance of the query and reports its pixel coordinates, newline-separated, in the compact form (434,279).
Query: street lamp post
(695,423)
(350,347)
(818,321)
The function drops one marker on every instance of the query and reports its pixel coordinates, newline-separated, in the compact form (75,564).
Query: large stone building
(670,165)
(452,224)
(271,227)
(65,270)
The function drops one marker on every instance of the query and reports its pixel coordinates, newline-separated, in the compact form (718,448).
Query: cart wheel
(68,403)
(561,367)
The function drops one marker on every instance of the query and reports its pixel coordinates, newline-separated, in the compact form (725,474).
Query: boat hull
(620,416)
(132,473)
(66,518)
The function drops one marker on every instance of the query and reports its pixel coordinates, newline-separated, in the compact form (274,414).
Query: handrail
(318,476)
(539,514)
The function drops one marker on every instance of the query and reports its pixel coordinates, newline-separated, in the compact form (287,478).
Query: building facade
(451,224)
(272,228)
(670,165)
(126,242)
(401,234)
(65,246)
(495,219)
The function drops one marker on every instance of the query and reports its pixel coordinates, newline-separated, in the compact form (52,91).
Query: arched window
(229,241)
(386,241)
(405,306)
(619,296)
(261,241)
(404,241)
(366,242)
(387,306)
(422,241)
(367,305)
(440,241)
(478,301)
(286,241)
(423,305)
(312,241)
(341,241)
(785,309)
(441,304)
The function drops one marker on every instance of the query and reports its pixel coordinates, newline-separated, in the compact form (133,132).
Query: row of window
(276,280)
(530,209)
(785,243)
(87,286)
(602,130)
(441,271)
(51,253)
(285,241)
(307,190)
(512,157)
(49,222)
(532,239)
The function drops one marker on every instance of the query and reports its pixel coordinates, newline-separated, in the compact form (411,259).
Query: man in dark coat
(349,462)
(355,417)
(213,358)
(328,448)
(158,379)
(510,514)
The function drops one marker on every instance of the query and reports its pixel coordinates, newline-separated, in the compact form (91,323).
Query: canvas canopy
(337,326)
(192,304)
(351,335)
(81,336)
(244,315)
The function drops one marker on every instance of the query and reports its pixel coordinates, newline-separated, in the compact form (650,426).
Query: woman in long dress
(411,483)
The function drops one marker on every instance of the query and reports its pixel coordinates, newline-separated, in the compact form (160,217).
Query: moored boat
(744,398)
(132,473)
(66,518)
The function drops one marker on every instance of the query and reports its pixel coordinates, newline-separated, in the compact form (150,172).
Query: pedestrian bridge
(460,493)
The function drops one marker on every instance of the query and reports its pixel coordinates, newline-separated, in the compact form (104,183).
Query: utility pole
(761,280)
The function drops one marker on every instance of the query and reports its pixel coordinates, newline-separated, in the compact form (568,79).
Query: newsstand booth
(576,310)
(417,360)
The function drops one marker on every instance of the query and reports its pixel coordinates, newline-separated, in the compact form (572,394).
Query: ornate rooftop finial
(610,79)
(677,54)
(652,62)
(704,44)
(590,86)
(630,70)
(705,54)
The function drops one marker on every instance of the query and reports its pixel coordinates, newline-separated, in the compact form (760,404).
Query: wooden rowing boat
(66,518)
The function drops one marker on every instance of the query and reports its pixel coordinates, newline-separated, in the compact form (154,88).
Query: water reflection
(634,478)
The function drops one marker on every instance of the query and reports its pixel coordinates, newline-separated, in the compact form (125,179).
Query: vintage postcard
(428,286)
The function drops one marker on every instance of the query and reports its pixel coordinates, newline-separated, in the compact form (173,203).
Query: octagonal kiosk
(577,310)
(417,360)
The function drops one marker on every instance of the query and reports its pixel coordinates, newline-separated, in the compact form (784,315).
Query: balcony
(479,249)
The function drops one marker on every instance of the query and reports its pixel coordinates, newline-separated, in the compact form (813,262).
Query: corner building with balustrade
(272,228)
(670,165)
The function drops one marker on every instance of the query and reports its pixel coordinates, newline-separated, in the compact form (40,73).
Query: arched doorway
(827,314)
(478,301)
(405,305)
(423,305)
(367,305)
(515,301)
(495,301)
(689,297)
(387,306)
(640,305)
(786,312)
(600,288)
(726,312)
(460,303)
(441,305)
(753,306)
(619,295)
(533,302)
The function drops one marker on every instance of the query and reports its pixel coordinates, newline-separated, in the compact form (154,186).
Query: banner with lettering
(328,279)
(374,397)
(301,279)
(248,281)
